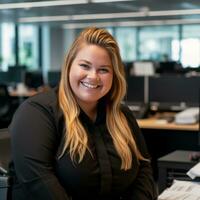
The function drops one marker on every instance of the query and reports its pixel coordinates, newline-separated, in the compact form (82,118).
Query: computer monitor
(4,77)
(172,91)
(128,66)
(16,74)
(135,90)
(54,78)
(34,79)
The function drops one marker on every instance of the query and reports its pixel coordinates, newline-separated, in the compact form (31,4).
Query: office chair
(7,106)
(5,151)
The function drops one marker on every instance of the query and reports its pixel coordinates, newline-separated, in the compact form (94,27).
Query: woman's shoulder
(44,101)
(44,98)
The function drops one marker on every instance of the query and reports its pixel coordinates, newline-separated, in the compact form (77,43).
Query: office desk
(162,138)
(27,93)
(153,123)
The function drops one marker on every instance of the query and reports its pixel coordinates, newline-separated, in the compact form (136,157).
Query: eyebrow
(88,62)
(85,61)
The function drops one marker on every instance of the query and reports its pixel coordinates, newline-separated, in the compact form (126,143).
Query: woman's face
(91,74)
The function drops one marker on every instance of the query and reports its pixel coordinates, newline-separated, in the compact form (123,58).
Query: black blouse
(37,131)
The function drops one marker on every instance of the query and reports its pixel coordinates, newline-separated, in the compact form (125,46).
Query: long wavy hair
(76,139)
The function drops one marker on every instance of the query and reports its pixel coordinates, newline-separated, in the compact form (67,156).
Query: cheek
(108,82)
(74,76)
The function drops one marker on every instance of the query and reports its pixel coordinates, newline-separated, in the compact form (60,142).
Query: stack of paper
(188,116)
(194,171)
(180,190)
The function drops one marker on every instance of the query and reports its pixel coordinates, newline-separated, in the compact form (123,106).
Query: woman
(78,141)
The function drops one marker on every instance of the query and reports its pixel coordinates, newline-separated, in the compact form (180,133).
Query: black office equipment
(174,166)
(53,78)
(4,77)
(127,67)
(34,79)
(135,90)
(173,93)
(135,98)
(16,74)
(167,67)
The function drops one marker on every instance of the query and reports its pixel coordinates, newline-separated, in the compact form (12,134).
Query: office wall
(56,47)
(56,42)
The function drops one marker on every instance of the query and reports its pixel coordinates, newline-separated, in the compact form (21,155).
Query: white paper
(181,190)
(194,171)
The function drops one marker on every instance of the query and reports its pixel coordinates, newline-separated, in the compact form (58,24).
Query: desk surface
(149,123)
(152,123)
(27,93)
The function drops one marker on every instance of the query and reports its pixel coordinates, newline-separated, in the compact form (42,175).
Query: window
(126,38)
(158,43)
(190,45)
(7,45)
(28,46)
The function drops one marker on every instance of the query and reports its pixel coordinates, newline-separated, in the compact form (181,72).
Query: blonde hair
(76,139)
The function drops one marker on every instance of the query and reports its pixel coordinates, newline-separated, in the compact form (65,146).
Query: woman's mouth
(90,85)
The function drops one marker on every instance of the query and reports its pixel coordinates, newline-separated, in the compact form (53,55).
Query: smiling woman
(78,141)
(91,77)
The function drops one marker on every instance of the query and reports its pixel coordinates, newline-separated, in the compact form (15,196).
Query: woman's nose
(93,75)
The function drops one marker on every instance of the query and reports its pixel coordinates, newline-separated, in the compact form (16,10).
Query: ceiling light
(40,4)
(106,1)
(174,12)
(132,23)
(110,15)
(44,19)
(82,17)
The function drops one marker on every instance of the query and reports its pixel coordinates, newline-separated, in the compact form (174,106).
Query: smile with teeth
(90,85)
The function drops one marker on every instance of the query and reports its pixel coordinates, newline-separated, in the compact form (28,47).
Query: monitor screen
(135,90)
(34,79)
(54,78)
(16,74)
(4,77)
(167,67)
(174,90)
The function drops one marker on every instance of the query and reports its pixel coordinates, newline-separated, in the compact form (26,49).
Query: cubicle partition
(174,92)
(53,78)
(168,94)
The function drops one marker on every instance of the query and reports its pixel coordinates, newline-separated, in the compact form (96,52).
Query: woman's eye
(104,70)
(84,66)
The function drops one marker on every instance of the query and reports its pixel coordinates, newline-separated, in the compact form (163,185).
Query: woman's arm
(34,143)
(143,187)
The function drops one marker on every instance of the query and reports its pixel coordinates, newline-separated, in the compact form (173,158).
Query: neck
(90,110)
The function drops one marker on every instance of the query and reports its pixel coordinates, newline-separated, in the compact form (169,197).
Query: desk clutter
(187,116)
(167,101)
(180,190)
(178,165)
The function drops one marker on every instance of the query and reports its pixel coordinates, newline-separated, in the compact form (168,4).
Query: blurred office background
(159,42)
(155,37)
(37,34)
